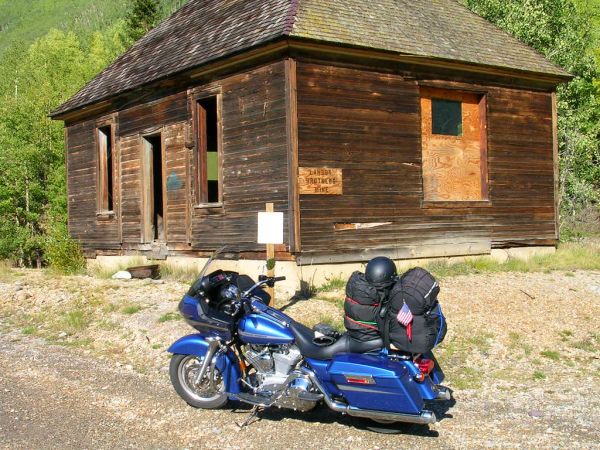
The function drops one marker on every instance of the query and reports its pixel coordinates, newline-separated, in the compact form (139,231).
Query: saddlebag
(425,325)
(361,308)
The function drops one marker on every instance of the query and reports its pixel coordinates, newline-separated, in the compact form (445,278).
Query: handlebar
(270,281)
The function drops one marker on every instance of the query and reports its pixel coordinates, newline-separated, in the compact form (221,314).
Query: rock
(536,414)
(63,334)
(158,281)
(129,367)
(22,296)
(122,275)
(594,288)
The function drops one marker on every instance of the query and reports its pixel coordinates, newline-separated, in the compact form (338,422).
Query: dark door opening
(153,217)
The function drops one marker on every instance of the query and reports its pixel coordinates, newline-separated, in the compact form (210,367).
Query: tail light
(425,367)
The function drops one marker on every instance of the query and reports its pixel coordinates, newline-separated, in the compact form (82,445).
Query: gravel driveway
(79,370)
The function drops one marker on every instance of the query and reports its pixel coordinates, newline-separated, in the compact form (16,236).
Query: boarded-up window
(454,145)
(105,169)
(208,157)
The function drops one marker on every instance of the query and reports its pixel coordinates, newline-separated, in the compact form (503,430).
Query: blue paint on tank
(264,330)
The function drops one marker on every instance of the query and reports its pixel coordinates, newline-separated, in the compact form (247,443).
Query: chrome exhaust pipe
(425,418)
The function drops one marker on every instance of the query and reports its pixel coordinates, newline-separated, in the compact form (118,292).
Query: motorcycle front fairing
(227,363)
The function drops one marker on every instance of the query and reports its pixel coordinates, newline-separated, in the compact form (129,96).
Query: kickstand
(248,421)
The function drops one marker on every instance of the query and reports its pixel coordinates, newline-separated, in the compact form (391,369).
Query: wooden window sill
(209,206)
(105,215)
(456,204)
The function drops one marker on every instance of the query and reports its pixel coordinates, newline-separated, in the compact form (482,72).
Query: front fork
(214,351)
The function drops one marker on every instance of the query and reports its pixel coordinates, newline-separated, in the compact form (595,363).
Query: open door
(153,218)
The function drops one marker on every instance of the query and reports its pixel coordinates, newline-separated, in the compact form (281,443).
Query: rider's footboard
(372,382)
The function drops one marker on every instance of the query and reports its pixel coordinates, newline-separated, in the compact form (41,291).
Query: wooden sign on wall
(320,181)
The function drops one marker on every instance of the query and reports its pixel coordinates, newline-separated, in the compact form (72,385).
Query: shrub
(63,253)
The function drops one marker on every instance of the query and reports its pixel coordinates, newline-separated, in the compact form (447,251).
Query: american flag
(405,317)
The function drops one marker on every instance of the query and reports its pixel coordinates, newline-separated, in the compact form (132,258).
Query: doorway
(153,219)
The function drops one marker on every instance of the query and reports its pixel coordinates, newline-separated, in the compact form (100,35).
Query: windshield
(214,256)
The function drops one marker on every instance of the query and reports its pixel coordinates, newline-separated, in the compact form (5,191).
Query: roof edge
(316,46)
(292,16)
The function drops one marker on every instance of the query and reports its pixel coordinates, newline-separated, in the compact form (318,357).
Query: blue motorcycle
(248,351)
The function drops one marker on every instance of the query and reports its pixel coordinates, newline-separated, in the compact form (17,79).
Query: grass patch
(29,330)
(587,344)
(6,272)
(568,257)
(554,356)
(106,271)
(156,346)
(467,378)
(481,342)
(75,321)
(539,375)
(168,317)
(183,274)
(131,309)
(333,284)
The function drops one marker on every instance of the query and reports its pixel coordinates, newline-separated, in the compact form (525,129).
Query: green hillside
(27,20)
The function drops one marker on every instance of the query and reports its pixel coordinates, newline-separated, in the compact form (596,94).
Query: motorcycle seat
(345,344)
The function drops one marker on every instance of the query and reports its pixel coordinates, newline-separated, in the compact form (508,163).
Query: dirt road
(534,385)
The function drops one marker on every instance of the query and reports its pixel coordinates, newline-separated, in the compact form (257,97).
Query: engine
(278,378)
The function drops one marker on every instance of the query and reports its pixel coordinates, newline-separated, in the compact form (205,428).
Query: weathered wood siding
(82,163)
(255,158)
(368,124)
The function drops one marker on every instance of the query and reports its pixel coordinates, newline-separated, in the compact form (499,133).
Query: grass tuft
(554,356)
(168,317)
(131,309)
(568,257)
(333,284)
(539,375)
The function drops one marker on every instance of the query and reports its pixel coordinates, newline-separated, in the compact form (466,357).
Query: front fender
(228,364)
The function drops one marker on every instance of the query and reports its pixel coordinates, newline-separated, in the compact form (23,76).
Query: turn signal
(426,366)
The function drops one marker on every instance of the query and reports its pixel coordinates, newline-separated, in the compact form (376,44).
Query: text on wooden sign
(320,181)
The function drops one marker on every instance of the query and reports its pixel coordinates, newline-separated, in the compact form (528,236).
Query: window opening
(154,223)
(105,172)
(208,151)
(446,117)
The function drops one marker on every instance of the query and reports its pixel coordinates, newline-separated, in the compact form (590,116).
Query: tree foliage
(566,34)
(143,16)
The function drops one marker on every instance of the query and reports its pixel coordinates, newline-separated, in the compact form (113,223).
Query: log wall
(369,125)
(254,168)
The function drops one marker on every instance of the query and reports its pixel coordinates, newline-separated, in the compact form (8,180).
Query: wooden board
(452,165)
(320,181)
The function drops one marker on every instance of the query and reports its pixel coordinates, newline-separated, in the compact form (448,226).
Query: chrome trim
(360,389)
(213,345)
(425,418)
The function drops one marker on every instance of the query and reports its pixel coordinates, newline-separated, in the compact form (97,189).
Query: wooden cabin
(407,128)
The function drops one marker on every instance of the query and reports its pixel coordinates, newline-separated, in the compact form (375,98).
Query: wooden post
(270,256)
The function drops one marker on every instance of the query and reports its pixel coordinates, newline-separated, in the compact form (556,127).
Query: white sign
(270,228)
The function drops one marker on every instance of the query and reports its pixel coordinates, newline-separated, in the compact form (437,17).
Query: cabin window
(208,155)
(454,146)
(105,169)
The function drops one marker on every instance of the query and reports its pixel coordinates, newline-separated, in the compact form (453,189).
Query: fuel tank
(264,330)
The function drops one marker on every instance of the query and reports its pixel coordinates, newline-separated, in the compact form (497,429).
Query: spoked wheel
(184,370)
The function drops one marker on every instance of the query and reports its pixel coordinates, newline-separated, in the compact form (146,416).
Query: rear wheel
(204,394)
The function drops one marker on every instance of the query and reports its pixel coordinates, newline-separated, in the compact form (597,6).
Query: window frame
(199,161)
(443,92)
(103,212)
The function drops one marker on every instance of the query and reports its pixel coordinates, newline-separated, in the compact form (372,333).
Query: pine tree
(144,15)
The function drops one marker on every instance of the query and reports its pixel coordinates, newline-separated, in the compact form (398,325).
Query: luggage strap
(370,325)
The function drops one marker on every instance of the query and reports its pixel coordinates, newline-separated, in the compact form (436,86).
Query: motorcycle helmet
(381,272)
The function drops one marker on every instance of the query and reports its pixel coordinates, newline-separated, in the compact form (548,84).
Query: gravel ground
(83,365)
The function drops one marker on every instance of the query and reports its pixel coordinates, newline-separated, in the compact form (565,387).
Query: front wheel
(204,394)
